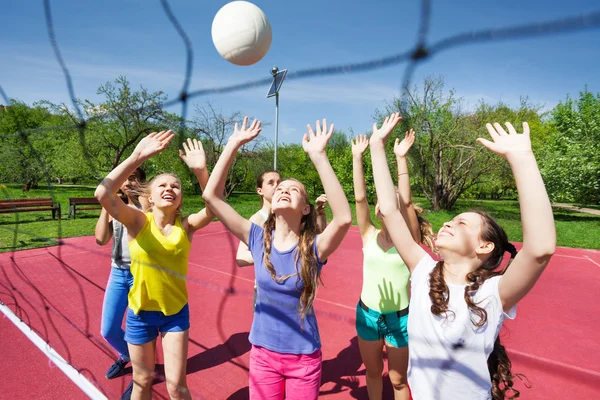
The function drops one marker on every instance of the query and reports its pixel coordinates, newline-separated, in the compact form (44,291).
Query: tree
(121,120)
(25,155)
(214,129)
(571,166)
(446,160)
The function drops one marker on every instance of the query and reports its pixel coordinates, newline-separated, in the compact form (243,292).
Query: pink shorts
(273,374)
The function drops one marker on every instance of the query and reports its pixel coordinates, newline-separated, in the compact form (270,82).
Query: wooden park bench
(88,203)
(27,205)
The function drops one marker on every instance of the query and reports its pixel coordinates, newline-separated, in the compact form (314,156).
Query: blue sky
(102,40)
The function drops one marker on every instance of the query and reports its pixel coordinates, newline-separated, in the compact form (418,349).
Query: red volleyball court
(58,292)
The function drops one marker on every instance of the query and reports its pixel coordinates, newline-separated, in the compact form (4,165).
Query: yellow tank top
(159,267)
(385,278)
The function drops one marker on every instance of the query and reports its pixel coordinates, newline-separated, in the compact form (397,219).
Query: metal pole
(276,128)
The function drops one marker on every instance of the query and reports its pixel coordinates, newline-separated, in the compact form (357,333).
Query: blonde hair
(145,188)
(309,268)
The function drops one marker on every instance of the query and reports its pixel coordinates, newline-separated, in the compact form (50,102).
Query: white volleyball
(241,33)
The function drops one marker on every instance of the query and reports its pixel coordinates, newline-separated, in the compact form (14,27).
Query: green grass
(37,229)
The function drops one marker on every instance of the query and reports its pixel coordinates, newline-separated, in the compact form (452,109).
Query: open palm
(316,142)
(193,154)
(359,145)
(246,134)
(386,128)
(153,144)
(401,147)
(506,144)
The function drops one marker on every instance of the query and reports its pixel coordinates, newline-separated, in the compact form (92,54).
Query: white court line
(221,272)
(592,261)
(565,255)
(558,363)
(252,281)
(86,386)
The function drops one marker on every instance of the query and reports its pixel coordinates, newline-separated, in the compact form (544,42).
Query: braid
(309,271)
(476,279)
(269,226)
(499,367)
(439,294)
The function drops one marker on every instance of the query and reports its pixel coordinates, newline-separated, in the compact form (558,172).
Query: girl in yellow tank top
(382,311)
(159,245)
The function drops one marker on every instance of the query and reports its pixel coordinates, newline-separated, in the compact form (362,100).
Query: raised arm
(103,231)
(320,204)
(406,205)
(363,211)
(314,145)
(539,233)
(194,157)
(215,187)
(106,192)
(401,236)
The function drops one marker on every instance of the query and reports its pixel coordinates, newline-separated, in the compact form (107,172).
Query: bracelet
(403,173)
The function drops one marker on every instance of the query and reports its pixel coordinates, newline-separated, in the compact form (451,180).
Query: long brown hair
(499,364)
(309,268)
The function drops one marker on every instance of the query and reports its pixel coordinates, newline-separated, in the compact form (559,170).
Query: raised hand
(153,144)
(359,145)
(507,144)
(320,202)
(401,147)
(193,156)
(315,143)
(387,127)
(246,134)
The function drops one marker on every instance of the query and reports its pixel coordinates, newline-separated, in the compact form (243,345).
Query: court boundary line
(554,362)
(592,261)
(79,380)
(252,281)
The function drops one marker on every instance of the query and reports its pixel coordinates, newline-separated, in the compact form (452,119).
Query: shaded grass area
(37,229)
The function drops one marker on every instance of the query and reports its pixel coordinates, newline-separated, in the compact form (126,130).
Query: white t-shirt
(448,356)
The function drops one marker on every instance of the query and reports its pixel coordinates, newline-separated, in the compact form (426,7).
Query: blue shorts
(372,326)
(144,327)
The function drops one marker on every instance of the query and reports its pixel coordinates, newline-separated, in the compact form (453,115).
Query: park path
(575,208)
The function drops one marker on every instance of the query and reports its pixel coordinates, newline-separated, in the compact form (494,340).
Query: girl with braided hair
(288,254)
(458,305)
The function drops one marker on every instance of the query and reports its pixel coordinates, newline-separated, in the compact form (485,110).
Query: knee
(178,390)
(398,381)
(142,382)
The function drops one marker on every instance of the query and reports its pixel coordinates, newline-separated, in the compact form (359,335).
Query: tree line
(44,143)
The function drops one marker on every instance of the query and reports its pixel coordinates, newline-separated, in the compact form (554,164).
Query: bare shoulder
(257,218)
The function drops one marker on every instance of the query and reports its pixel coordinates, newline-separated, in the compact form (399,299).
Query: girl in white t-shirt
(458,304)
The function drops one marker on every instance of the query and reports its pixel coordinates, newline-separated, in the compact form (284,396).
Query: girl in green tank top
(382,311)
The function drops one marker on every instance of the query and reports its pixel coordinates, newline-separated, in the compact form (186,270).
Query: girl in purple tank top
(288,255)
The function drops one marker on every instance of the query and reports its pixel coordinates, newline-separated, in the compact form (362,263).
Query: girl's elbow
(100,241)
(345,220)
(208,197)
(387,210)
(540,252)
(100,193)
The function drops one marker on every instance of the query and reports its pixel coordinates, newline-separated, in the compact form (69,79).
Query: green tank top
(385,278)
